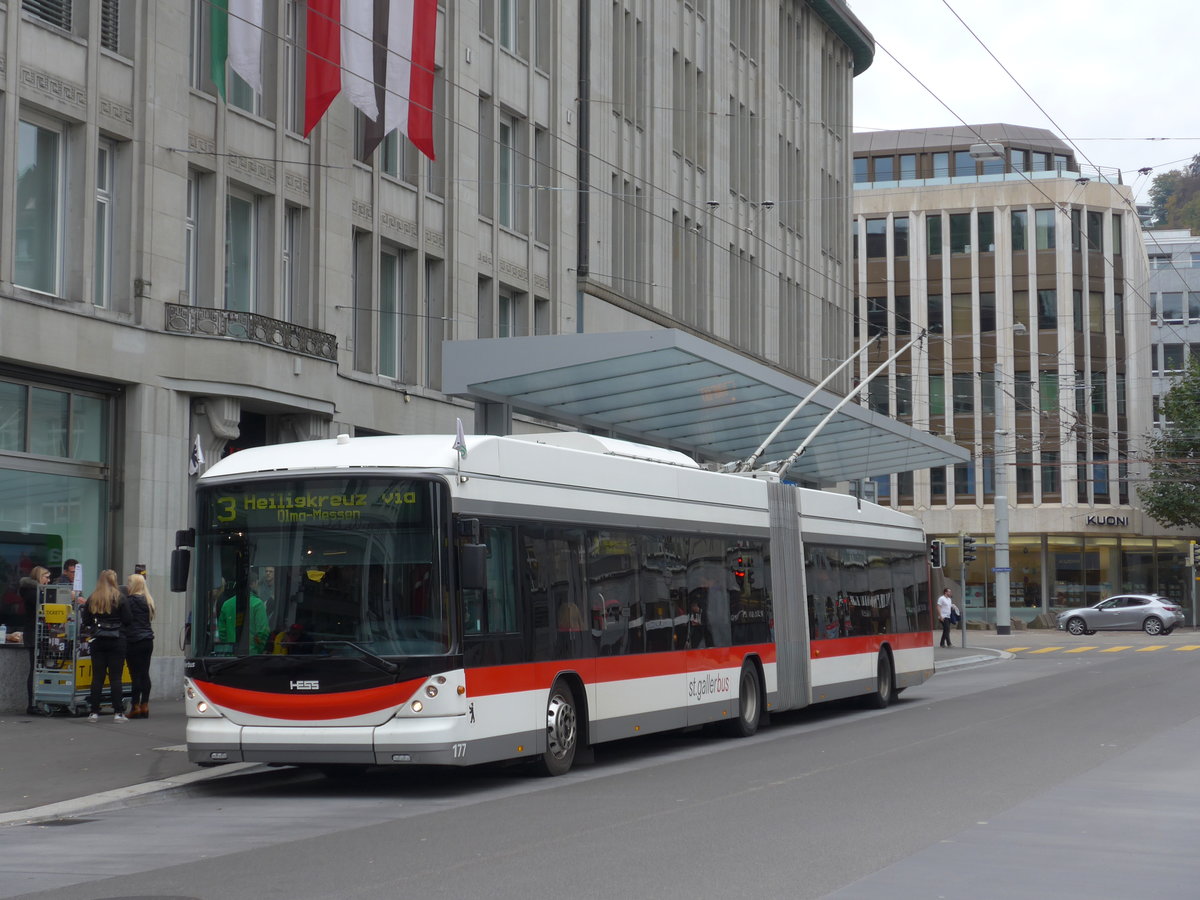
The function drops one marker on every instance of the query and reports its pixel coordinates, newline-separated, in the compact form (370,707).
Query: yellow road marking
(1045,650)
(1118,649)
(1081,649)
(1015,649)
(1189,647)
(1151,647)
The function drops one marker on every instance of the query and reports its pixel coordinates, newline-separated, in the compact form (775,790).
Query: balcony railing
(244,326)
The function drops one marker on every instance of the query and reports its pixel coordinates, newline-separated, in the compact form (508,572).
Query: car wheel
(562,731)
(745,724)
(1152,625)
(1077,626)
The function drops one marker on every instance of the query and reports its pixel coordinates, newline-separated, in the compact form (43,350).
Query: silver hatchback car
(1125,612)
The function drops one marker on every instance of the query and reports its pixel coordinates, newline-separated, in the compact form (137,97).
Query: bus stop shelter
(677,390)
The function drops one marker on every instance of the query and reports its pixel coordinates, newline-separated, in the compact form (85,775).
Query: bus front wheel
(746,722)
(562,731)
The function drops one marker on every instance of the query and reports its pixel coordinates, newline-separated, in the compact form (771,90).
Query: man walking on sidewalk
(946,611)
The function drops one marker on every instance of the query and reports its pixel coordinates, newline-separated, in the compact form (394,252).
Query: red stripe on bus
(493,680)
(310,706)
(870,643)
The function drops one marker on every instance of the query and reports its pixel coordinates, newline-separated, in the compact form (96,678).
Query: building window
(1172,306)
(191,236)
(960,232)
(390,310)
(904,407)
(1044,227)
(1051,483)
(506,186)
(964,163)
(964,393)
(937,395)
(52,12)
(241,253)
(1076,229)
(877,394)
(1020,228)
(933,227)
(293,263)
(1019,160)
(1024,473)
(1041,162)
(876,238)
(509,24)
(1099,394)
(900,235)
(293,65)
(1022,391)
(987,311)
(908,166)
(877,316)
(941,168)
(885,168)
(1048,392)
(936,314)
(961,319)
(1172,358)
(1095,231)
(37,262)
(937,485)
(1047,311)
(860,170)
(964,481)
(1077,309)
(987,393)
(102,270)
(987,232)
(904,321)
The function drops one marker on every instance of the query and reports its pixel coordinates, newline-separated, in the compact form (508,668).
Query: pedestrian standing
(28,589)
(140,646)
(107,616)
(946,611)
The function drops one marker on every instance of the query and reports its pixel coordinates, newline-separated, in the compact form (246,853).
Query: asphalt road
(1054,774)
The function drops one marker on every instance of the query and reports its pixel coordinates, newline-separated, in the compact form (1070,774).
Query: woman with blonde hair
(141,644)
(107,615)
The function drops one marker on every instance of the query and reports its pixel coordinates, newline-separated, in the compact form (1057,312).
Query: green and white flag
(237,29)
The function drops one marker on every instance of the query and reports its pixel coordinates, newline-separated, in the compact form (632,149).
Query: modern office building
(1174,295)
(182,271)
(1027,274)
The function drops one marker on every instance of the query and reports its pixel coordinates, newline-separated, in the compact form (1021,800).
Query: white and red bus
(392,601)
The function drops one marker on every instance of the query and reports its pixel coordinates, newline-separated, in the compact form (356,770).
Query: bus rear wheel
(562,731)
(885,684)
(746,722)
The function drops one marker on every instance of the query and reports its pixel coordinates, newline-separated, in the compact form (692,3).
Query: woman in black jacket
(140,645)
(106,614)
(28,589)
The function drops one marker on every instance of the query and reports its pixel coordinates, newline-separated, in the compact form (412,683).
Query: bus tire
(745,723)
(562,731)
(885,683)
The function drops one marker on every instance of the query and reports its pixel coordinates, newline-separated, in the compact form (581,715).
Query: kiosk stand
(62,662)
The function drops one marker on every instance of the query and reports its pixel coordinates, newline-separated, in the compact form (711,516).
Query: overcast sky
(1111,74)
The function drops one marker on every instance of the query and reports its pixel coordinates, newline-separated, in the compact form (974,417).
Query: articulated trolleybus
(421,600)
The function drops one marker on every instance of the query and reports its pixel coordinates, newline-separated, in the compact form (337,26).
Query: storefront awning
(677,390)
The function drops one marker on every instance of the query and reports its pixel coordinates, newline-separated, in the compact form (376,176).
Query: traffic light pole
(962,590)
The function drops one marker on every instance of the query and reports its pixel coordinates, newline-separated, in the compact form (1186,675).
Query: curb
(120,797)
(982,657)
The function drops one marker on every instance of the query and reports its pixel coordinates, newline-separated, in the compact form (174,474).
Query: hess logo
(304,685)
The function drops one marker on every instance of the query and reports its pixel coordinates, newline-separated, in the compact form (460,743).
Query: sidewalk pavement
(57,766)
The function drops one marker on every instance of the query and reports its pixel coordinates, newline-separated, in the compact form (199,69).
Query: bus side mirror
(181,564)
(472,567)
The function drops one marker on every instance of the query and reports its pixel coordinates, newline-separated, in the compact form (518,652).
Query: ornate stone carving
(63,91)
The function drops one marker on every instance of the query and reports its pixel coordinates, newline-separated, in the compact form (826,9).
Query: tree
(1172,495)
(1175,197)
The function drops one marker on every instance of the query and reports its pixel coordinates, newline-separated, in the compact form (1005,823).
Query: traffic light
(968,548)
(937,554)
(1194,556)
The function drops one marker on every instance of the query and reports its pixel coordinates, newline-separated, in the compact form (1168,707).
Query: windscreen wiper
(378,661)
